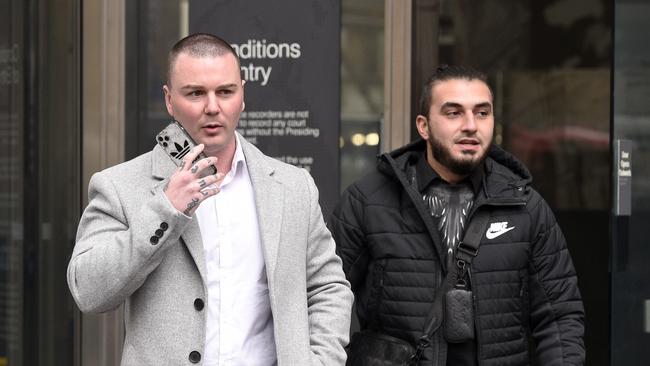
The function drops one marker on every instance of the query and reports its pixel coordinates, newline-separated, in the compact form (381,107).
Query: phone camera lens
(160,138)
(164,144)
(166,138)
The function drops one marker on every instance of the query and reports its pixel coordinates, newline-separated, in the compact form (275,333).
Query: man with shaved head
(232,268)
(403,235)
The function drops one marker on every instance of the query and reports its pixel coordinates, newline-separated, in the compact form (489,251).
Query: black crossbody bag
(372,348)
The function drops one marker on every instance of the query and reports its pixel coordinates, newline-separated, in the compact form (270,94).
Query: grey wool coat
(115,261)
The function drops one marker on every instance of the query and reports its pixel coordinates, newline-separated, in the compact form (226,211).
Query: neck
(224,165)
(224,157)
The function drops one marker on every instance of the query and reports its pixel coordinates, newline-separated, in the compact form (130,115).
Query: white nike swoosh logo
(491,234)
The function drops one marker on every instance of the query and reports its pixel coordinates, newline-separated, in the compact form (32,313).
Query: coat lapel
(162,169)
(269,198)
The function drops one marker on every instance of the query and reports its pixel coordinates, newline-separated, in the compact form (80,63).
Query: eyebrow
(191,86)
(483,105)
(458,105)
(196,86)
(450,105)
(227,86)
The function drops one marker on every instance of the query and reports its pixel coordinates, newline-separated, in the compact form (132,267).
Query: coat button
(154,240)
(198,304)
(159,233)
(195,357)
(164,226)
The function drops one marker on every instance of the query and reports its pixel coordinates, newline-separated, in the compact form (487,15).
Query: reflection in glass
(630,290)
(11,190)
(39,180)
(362,86)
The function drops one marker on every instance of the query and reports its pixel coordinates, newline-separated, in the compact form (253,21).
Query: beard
(463,166)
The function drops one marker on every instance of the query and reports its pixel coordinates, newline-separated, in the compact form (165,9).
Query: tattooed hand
(186,188)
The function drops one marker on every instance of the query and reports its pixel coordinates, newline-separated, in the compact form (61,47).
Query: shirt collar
(425,175)
(238,162)
(239,159)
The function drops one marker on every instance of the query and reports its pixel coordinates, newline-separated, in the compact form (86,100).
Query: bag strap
(468,247)
(465,253)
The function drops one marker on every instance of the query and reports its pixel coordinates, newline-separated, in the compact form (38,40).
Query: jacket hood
(506,177)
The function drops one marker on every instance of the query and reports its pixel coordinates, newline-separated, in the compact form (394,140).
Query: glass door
(39,179)
(630,277)
(11,184)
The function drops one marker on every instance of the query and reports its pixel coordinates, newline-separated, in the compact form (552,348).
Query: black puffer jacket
(527,303)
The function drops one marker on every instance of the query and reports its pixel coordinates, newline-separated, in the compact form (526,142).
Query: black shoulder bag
(459,303)
(372,348)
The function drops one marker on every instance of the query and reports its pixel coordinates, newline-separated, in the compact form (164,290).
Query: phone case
(177,143)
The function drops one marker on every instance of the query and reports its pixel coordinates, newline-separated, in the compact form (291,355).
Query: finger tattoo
(195,168)
(202,183)
(205,193)
(193,203)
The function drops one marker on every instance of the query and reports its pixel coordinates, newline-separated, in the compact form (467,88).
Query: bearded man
(398,232)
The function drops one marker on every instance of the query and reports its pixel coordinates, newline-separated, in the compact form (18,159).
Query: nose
(211,104)
(469,124)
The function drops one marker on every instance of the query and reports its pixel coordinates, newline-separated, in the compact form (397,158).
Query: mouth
(469,144)
(212,127)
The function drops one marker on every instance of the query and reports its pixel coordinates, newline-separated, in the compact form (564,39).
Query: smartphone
(177,143)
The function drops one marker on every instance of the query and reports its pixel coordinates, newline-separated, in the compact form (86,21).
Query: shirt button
(164,226)
(195,357)
(159,233)
(198,304)
(154,240)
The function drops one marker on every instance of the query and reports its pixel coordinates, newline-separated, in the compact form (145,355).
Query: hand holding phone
(177,143)
(196,178)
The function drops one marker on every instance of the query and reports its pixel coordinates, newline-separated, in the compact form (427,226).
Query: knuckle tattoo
(190,205)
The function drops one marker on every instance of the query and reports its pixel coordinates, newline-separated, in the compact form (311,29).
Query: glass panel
(57,174)
(549,70)
(362,86)
(146,67)
(39,180)
(11,183)
(630,319)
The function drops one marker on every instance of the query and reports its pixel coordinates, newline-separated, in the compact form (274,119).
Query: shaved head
(198,45)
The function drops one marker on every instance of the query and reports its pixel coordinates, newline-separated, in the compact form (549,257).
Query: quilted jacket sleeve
(346,224)
(556,310)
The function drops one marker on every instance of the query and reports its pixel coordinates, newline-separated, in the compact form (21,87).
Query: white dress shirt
(239,329)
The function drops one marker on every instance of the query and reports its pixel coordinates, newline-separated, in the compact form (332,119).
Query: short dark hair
(444,73)
(199,45)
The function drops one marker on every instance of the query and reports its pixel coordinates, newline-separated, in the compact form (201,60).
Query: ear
(168,100)
(243,102)
(422,124)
